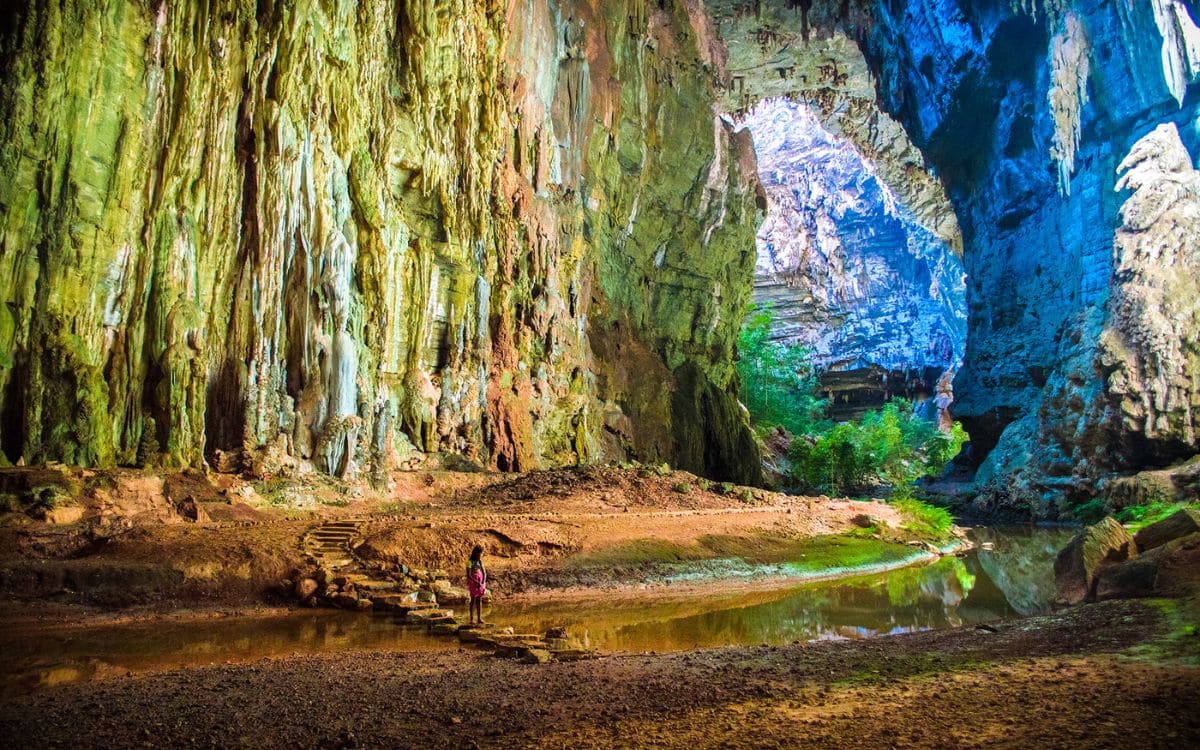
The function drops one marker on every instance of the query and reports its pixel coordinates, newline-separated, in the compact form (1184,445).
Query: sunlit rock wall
(334,234)
(1062,131)
(844,265)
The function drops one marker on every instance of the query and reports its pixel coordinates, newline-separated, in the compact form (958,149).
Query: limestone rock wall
(335,233)
(1062,131)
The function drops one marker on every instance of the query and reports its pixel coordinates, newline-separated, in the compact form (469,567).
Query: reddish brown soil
(134,549)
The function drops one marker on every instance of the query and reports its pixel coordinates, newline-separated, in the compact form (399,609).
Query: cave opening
(848,273)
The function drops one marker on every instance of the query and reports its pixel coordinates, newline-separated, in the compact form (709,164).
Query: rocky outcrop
(1179,524)
(1082,332)
(334,234)
(1079,564)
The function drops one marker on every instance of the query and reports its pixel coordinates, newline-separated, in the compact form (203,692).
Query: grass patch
(811,556)
(923,519)
(836,553)
(1137,517)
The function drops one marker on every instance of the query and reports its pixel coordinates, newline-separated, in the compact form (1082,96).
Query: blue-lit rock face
(1062,136)
(842,262)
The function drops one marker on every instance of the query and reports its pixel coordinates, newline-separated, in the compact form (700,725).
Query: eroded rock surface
(846,267)
(1080,564)
(333,234)
(1062,133)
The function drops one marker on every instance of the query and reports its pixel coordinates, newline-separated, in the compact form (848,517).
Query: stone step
(424,616)
(399,603)
(372,584)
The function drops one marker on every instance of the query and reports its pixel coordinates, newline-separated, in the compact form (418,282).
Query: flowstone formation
(846,268)
(339,234)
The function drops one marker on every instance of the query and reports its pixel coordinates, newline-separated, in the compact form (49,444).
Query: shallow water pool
(1009,575)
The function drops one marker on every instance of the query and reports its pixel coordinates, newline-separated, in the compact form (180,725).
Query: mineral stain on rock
(333,234)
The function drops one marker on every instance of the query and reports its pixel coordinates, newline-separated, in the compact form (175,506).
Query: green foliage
(923,519)
(1139,516)
(888,446)
(682,488)
(1091,511)
(725,488)
(779,387)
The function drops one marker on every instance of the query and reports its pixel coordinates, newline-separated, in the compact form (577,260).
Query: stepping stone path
(412,598)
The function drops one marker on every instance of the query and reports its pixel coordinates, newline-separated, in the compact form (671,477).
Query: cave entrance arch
(860,253)
(849,272)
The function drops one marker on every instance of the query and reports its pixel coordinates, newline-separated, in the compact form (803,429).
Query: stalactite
(1070,53)
(1180,46)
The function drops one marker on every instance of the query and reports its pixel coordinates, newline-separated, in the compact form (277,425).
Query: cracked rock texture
(336,234)
(1062,132)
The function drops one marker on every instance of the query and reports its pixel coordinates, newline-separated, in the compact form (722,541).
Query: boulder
(62,515)
(345,601)
(453,595)
(863,521)
(1171,569)
(191,510)
(1079,563)
(305,587)
(1175,526)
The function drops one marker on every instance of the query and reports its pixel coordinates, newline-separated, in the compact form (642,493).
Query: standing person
(476,584)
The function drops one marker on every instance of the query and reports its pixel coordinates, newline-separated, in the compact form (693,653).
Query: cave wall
(336,234)
(1061,132)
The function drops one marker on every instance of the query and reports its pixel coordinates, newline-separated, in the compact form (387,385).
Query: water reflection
(1010,576)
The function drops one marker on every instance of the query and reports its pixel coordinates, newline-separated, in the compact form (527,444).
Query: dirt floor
(132,540)
(126,546)
(1104,675)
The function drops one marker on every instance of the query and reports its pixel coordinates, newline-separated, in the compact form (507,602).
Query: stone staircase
(414,599)
(328,544)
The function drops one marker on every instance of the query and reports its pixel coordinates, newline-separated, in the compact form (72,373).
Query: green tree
(779,387)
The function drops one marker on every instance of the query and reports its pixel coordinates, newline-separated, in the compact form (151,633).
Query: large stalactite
(330,233)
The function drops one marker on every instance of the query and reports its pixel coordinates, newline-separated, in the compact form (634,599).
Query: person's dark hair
(476,553)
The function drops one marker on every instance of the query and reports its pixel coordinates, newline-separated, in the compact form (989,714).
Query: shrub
(682,488)
(725,488)
(922,518)
(888,446)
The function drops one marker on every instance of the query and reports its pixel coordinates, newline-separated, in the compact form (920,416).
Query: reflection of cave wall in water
(846,268)
(333,234)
